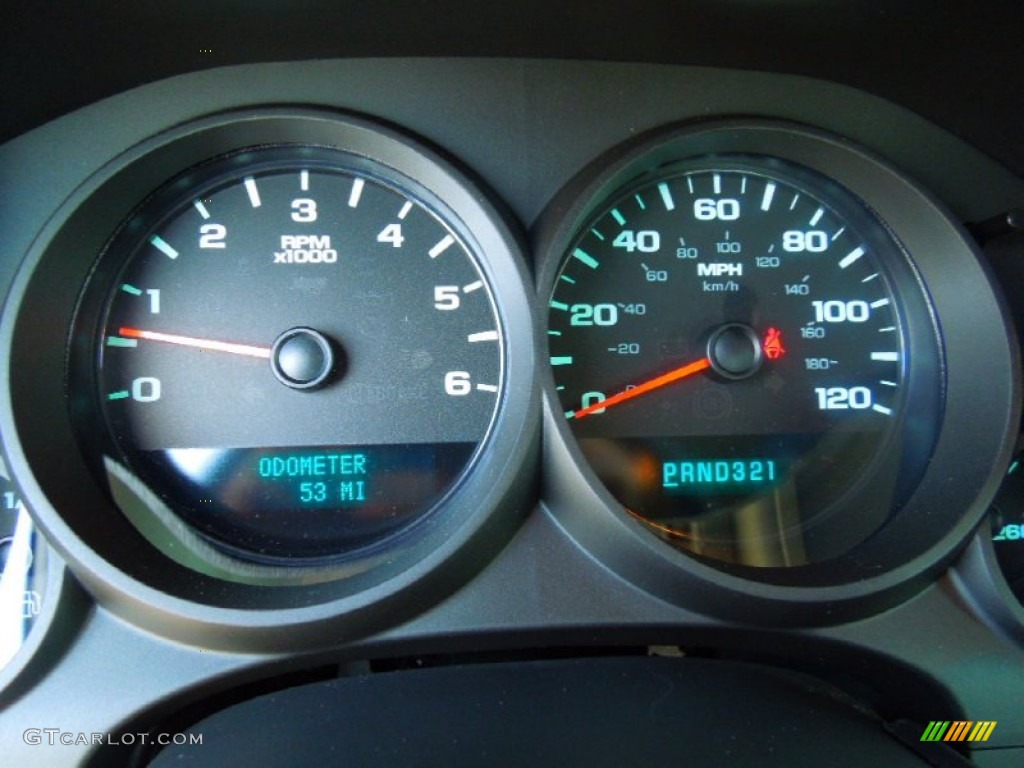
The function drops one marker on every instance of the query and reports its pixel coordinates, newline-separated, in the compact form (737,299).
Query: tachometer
(296,354)
(283,386)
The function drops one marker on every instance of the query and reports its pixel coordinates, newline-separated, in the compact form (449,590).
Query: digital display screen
(320,479)
(675,479)
(708,475)
(305,501)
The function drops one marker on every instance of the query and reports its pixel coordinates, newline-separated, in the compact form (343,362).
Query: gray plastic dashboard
(524,129)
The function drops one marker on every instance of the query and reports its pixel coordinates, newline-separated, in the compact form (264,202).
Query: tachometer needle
(641,389)
(189,341)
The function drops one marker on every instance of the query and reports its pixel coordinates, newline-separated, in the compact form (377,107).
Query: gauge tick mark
(586,258)
(666,197)
(443,245)
(252,191)
(356,193)
(164,246)
(851,257)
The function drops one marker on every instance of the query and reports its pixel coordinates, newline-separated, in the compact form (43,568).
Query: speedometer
(745,357)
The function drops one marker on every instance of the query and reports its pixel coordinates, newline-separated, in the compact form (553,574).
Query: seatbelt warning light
(772,345)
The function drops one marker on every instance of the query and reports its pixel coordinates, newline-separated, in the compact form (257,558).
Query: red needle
(189,341)
(659,381)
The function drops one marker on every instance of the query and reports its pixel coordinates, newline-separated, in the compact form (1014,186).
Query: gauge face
(728,349)
(297,353)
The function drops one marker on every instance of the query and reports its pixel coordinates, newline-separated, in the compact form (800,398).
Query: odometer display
(728,348)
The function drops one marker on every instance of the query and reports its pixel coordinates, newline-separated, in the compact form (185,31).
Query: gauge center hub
(735,351)
(303,358)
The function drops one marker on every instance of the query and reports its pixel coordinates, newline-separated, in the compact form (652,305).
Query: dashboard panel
(526,551)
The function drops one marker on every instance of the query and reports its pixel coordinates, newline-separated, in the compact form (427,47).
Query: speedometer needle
(189,341)
(641,389)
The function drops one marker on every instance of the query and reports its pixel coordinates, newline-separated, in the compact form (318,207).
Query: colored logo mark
(958,730)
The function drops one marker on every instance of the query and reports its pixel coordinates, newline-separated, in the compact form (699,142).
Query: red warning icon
(772,345)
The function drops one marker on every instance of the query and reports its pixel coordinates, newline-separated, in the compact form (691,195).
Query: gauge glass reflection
(22,569)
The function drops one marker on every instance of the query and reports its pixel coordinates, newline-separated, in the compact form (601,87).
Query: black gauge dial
(729,348)
(297,353)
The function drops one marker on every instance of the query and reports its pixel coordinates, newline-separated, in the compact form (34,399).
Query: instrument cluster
(292,362)
(290,374)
